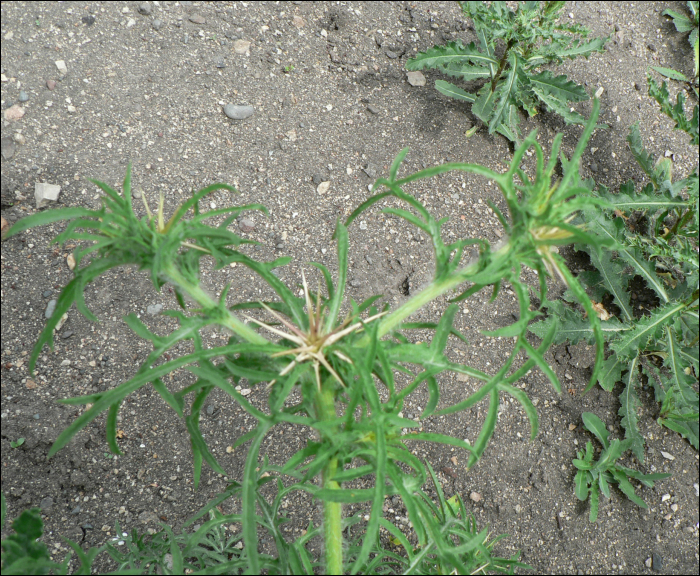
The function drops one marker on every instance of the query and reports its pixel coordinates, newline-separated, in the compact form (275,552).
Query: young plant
(595,477)
(675,112)
(655,235)
(529,38)
(22,553)
(344,368)
(685,24)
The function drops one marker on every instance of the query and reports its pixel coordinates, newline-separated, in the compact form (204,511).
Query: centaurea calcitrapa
(345,371)
(312,341)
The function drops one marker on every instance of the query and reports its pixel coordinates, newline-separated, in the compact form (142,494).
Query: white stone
(45,193)
(241,46)
(415,78)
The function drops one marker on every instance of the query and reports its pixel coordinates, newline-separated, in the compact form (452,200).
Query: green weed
(685,24)
(596,477)
(22,553)
(344,368)
(16,444)
(531,38)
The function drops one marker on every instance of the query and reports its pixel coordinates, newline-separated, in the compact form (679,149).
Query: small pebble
(23,96)
(246,224)
(241,46)
(154,309)
(238,112)
(415,78)
(50,308)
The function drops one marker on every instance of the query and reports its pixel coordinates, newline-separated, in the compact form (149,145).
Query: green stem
(230,321)
(430,293)
(332,511)
(502,65)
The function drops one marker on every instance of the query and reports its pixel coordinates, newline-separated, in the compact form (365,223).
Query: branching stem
(230,321)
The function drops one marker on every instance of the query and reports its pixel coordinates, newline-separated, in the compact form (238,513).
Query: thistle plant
(530,37)
(654,235)
(684,23)
(344,370)
(22,553)
(594,478)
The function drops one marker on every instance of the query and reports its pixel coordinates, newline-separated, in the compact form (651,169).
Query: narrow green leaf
(505,95)
(628,489)
(248,500)
(593,515)
(645,329)
(671,73)
(396,163)
(559,86)
(527,405)
(542,364)
(378,499)
(629,403)
(581,484)
(611,372)
(451,54)
(597,426)
(73,291)
(111,428)
(604,486)
(486,431)
(453,91)
(336,299)
(49,216)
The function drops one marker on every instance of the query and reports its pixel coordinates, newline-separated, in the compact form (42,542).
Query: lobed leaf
(629,404)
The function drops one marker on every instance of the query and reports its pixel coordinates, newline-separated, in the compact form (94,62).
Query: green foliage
(22,553)
(685,24)
(344,368)
(675,112)
(16,444)
(594,478)
(454,540)
(532,38)
(654,234)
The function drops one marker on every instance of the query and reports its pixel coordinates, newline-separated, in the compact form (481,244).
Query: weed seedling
(341,367)
(528,38)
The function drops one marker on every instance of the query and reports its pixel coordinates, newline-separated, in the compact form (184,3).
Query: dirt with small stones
(105,84)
